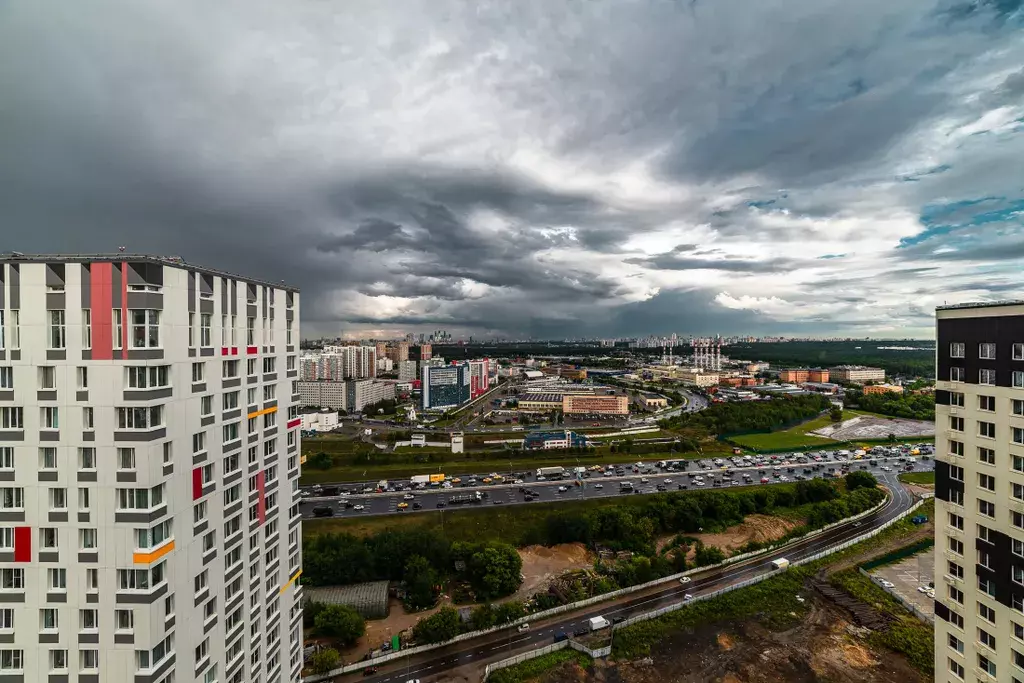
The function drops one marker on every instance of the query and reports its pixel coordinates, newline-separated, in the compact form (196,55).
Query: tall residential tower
(149,461)
(979,490)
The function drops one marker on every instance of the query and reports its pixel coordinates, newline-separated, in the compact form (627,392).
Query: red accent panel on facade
(261,502)
(125,323)
(197,483)
(101,311)
(22,544)
(234,350)
(294,423)
(250,349)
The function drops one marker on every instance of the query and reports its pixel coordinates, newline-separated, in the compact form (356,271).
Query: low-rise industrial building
(323,394)
(856,373)
(558,439)
(821,387)
(540,403)
(319,421)
(654,401)
(697,377)
(595,405)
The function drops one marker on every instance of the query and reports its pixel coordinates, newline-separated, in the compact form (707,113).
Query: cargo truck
(780,563)
(550,471)
(598,623)
(462,498)
(420,479)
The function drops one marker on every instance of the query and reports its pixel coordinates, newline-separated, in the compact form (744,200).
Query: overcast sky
(538,168)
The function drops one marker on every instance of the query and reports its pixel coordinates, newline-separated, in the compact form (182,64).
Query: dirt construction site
(870,427)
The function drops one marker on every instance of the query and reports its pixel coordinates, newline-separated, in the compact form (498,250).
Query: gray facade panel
(11,516)
(82,395)
(152,435)
(200,457)
(126,477)
(7,475)
(89,436)
(145,354)
(198,387)
(12,435)
(7,395)
(57,516)
(55,301)
(210,556)
(231,383)
(49,435)
(7,556)
(124,638)
(269,404)
(232,479)
(12,597)
(6,638)
(147,394)
(47,476)
(141,517)
(141,598)
(207,421)
(270,377)
(92,598)
(153,300)
(56,597)
(57,678)
(88,557)
(83,517)
(87,476)
(49,637)
(49,556)
(88,678)
(16,354)
(56,354)
(168,469)
(206,351)
(200,528)
(12,678)
(231,414)
(46,395)
(88,637)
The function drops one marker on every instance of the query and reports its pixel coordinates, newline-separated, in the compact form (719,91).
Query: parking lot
(907,575)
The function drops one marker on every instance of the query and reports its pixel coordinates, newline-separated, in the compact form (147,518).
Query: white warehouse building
(149,461)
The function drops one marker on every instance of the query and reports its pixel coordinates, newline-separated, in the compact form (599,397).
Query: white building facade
(149,463)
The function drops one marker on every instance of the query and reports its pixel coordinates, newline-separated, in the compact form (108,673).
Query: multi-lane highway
(596,486)
(497,645)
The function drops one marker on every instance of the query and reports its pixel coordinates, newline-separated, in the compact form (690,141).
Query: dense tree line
(733,418)
(919,362)
(910,406)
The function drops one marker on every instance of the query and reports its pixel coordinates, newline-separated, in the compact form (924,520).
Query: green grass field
(926,478)
(795,437)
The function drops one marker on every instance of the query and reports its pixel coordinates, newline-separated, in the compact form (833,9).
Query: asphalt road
(495,646)
(549,491)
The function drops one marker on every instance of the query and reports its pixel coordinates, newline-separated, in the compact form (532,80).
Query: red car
(764,480)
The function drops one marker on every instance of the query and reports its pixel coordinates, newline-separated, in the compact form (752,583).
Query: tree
(860,479)
(421,583)
(707,555)
(495,570)
(340,622)
(892,438)
(325,660)
(836,414)
(320,461)
(310,611)
(442,625)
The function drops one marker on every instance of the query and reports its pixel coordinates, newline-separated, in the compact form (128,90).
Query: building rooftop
(981,304)
(541,397)
(174,261)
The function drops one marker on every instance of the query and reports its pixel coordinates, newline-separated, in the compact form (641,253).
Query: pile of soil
(541,564)
(759,528)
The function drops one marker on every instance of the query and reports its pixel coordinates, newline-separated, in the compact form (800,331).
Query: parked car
(523,628)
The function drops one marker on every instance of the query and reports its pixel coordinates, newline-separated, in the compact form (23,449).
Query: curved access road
(500,644)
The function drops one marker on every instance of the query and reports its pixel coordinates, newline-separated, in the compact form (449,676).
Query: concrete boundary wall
(377,661)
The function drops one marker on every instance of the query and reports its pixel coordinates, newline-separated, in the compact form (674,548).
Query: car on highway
(408,496)
(598,486)
(523,628)
(323,511)
(358,507)
(668,481)
(685,579)
(417,506)
(440,503)
(403,506)
(563,489)
(687,597)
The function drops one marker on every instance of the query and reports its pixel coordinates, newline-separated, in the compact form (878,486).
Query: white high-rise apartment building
(149,462)
(979,491)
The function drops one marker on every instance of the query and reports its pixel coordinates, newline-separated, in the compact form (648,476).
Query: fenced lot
(871,427)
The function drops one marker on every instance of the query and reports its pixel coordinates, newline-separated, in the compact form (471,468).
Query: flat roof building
(856,373)
(595,405)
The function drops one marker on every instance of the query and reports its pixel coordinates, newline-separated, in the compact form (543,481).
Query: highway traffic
(648,480)
(497,645)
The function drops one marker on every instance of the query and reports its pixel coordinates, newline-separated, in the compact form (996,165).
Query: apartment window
(205,335)
(230,400)
(270,392)
(987,351)
(230,432)
(986,508)
(229,369)
(250,369)
(987,482)
(954,569)
(48,458)
(7,538)
(198,372)
(1017,406)
(1017,379)
(58,660)
(199,512)
(987,430)
(47,377)
(250,331)
(198,442)
(987,456)
(232,463)
(12,498)
(152,537)
(201,582)
(58,499)
(148,377)
(140,418)
(206,406)
(192,330)
(6,457)
(269,420)
(58,330)
(956,374)
(1017,574)
(956,399)
(956,423)
(956,448)
(92,579)
(6,377)
(1017,547)
(133,579)
(271,474)
(987,403)
(986,665)
(987,587)
(233,557)
(15,329)
(956,473)
(202,650)
(209,541)
(1017,491)
(118,325)
(956,521)
(1017,435)
(223,330)
(126,458)
(955,546)
(11,660)
(957,349)
(253,425)
(232,494)
(82,377)
(6,619)
(48,619)
(232,526)
(88,422)
(12,579)
(48,537)
(86,328)
(168,452)
(269,364)
(83,499)
(955,594)
(983,532)
(290,363)
(140,499)
(87,539)
(145,328)
(986,376)
(49,417)
(207,474)
(169,606)
(89,659)
(1017,519)
(253,455)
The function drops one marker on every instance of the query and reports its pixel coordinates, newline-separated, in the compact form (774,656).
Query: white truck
(550,471)
(598,623)
(780,563)
(420,479)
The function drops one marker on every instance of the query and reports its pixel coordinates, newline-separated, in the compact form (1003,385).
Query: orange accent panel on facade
(147,558)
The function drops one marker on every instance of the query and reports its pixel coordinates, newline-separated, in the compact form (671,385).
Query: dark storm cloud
(490,171)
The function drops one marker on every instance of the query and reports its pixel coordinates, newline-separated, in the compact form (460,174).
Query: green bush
(325,660)
(442,625)
(340,622)
(532,668)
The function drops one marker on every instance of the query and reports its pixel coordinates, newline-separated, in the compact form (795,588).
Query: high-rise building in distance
(979,491)
(149,457)
(445,386)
